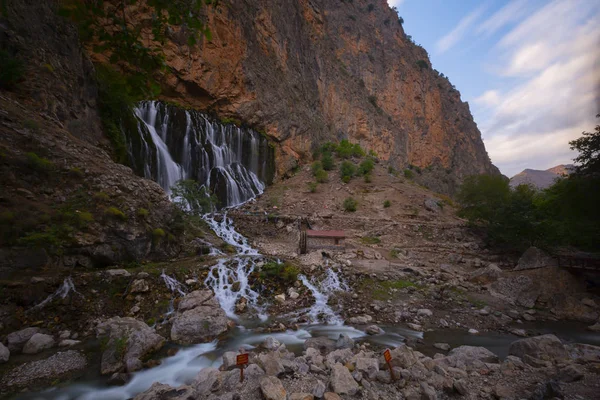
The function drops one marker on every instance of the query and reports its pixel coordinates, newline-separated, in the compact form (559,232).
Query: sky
(529,69)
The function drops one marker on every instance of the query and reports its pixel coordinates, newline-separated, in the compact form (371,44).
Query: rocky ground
(413,265)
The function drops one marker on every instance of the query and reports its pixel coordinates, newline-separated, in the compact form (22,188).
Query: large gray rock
(432,205)
(17,339)
(544,347)
(486,275)
(342,381)
(272,388)
(4,353)
(369,367)
(584,353)
(128,341)
(535,258)
(199,318)
(207,381)
(403,357)
(38,342)
(321,343)
(39,373)
(474,353)
(344,342)
(516,289)
(160,391)
(272,364)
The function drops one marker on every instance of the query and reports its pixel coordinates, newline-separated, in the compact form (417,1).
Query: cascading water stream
(62,292)
(175,287)
(321,291)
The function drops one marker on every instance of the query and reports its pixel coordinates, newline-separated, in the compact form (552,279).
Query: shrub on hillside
(350,204)
(347,171)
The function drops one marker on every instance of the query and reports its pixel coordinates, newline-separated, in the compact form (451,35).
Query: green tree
(588,147)
(347,171)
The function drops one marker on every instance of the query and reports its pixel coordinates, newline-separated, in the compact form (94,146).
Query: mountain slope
(538,178)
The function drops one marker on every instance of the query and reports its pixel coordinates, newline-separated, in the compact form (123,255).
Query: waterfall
(172,143)
(321,292)
(230,285)
(62,292)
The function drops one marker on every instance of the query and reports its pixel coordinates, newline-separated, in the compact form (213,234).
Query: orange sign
(242,359)
(386,354)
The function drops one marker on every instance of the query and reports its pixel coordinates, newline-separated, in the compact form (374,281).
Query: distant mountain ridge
(541,179)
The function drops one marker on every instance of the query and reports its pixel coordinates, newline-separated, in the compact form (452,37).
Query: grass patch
(387,204)
(408,174)
(312,187)
(285,272)
(382,290)
(143,213)
(370,240)
(38,163)
(114,212)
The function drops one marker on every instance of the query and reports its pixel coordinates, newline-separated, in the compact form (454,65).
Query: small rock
(272,389)
(64,335)
(594,328)
(473,331)
(442,346)
(519,332)
(38,343)
(17,339)
(461,387)
(140,286)
(415,327)
(270,343)
(428,393)
(113,273)
(373,330)
(331,396)
(229,360)
(319,389)
(589,302)
(280,298)
(424,312)
(301,396)
(135,310)
(68,343)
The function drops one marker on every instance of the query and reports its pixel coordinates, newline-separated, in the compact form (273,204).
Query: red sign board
(386,354)
(242,359)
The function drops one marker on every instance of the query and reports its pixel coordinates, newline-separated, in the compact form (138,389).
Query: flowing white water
(173,284)
(229,278)
(224,158)
(62,292)
(321,291)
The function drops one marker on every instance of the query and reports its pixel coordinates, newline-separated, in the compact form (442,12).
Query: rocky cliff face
(307,71)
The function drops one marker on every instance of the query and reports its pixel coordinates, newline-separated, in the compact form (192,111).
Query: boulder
(128,341)
(570,373)
(544,347)
(360,320)
(161,391)
(17,339)
(584,353)
(369,367)
(344,342)
(194,299)
(403,357)
(535,258)
(4,353)
(42,372)
(140,286)
(207,381)
(432,205)
(272,388)
(38,342)
(272,364)
(199,318)
(442,346)
(321,343)
(271,343)
(517,289)
(342,381)
(229,360)
(483,276)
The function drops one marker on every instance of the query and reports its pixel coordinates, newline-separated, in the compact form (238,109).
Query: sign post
(241,360)
(388,358)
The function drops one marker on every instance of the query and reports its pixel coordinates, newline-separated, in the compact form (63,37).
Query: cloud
(488,98)
(456,34)
(395,3)
(513,11)
(553,55)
